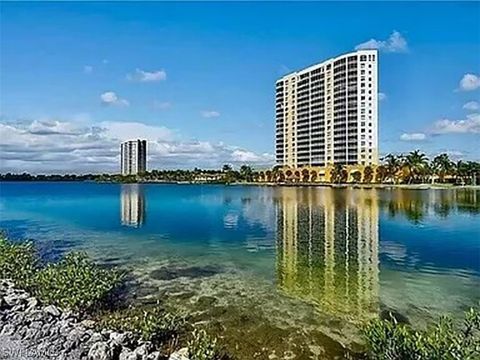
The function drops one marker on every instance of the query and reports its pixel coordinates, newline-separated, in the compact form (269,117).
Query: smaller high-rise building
(133,157)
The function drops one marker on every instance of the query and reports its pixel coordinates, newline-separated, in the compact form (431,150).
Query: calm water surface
(286,272)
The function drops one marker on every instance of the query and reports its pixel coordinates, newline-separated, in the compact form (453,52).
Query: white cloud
(469,82)
(162,105)
(147,76)
(381,96)
(469,125)
(413,137)
(111,98)
(135,130)
(87,69)
(396,43)
(49,146)
(210,114)
(472,106)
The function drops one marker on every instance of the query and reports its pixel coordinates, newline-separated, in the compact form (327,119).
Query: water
(287,272)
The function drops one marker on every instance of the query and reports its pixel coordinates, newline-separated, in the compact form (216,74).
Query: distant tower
(133,157)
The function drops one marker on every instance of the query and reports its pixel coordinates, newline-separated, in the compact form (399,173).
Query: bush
(18,262)
(76,283)
(203,347)
(150,323)
(388,340)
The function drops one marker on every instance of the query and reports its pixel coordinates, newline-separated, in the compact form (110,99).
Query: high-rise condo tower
(133,157)
(328,113)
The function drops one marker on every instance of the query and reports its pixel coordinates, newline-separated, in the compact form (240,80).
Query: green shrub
(388,340)
(202,346)
(151,323)
(18,262)
(76,283)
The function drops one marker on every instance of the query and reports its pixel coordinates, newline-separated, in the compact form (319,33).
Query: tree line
(412,168)
(224,175)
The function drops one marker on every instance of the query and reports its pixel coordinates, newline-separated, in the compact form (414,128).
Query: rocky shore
(30,330)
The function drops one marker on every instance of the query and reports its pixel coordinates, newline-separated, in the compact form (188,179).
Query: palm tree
(246,172)
(368,174)
(416,163)
(337,174)
(443,166)
(226,168)
(393,164)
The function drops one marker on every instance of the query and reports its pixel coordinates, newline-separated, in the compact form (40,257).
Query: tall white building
(328,113)
(133,157)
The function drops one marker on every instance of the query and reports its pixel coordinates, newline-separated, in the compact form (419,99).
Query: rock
(100,351)
(127,354)
(154,356)
(123,339)
(31,303)
(52,310)
(143,350)
(8,329)
(181,354)
(15,299)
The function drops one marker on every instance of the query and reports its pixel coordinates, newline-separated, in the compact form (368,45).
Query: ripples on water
(286,271)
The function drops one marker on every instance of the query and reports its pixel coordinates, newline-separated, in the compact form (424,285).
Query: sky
(197,79)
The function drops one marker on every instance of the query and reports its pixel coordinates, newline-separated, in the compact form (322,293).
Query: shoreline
(423,186)
(32,330)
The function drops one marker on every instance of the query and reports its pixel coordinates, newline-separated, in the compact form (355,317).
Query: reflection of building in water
(132,202)
(327,249)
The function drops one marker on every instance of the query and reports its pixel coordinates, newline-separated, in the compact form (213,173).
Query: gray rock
(154,356)
(127,354)
(123,339)
(100,351)
(52,310)
(181,354)
(143,350)
(31,303)
(8,329)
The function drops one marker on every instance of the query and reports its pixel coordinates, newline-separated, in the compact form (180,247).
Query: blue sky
(197,79)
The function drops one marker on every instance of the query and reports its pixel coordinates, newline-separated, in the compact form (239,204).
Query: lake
(290,272)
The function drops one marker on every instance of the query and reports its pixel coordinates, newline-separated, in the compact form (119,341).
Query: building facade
(328,113)
(133,157)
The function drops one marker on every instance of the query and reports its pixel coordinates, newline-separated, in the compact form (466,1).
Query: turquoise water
(286,272)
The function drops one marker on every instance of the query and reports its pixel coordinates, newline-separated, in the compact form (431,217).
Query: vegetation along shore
(409,170)
(75,309)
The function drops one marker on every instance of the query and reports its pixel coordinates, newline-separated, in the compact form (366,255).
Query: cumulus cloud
(49,146)
(469,125)
(110,98)
(413,137)
(147,76)
(472,106)
(209,114)
(381,96)
(87,69)
(396,43)
(469,82)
